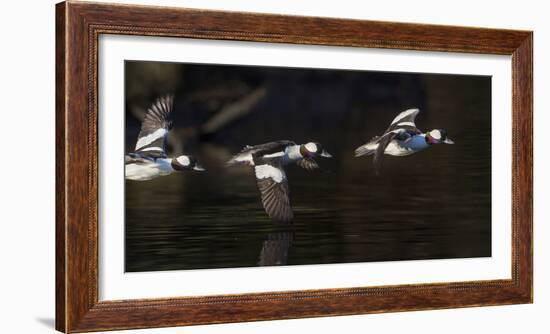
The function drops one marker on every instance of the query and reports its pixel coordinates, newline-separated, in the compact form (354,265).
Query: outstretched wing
(405,120)
(308,164)
(383,143)
(155,127)
(267,148)
(273,185)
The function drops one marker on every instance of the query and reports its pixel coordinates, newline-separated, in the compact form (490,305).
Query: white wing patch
(404,114)
(268,171)
(406,123)
(144,141)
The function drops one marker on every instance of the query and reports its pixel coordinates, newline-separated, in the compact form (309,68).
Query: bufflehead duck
(268,161)
(402,138)
(149,159)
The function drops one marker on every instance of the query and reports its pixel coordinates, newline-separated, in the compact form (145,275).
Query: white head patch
(183,160)
(436,134)
(311,147)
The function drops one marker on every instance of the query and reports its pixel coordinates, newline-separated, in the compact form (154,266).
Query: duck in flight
(402,138)
(149,159)
(268,161)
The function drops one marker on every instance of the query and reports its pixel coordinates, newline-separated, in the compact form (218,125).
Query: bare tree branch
(233,111)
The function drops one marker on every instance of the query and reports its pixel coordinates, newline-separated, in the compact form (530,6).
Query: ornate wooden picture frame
(78,27)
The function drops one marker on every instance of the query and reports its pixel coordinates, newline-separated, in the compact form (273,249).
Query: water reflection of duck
(275,249)
(268,161)
(149,159)
(402,138)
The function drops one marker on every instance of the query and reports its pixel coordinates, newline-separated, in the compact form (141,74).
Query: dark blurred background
(434,204)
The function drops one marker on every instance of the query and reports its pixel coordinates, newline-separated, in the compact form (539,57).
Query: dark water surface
(433,204)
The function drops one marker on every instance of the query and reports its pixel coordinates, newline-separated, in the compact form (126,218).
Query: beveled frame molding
(78,26)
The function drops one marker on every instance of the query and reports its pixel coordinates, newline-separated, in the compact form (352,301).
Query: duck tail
(231,162)
(238,160)
(365,150)
(368,148)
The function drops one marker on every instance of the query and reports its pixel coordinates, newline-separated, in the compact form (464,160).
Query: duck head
(186,162)
(314,149)
(438,136)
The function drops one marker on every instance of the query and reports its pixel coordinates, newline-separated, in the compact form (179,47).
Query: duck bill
(199,168)
(448,141)
(325,154)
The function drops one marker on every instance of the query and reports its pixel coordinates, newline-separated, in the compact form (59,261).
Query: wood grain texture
(78,27)
(60,135)
(522,166)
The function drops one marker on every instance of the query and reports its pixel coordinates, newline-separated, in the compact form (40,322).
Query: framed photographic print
(221,167)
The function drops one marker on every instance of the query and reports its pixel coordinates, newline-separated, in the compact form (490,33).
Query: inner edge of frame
(96,29)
